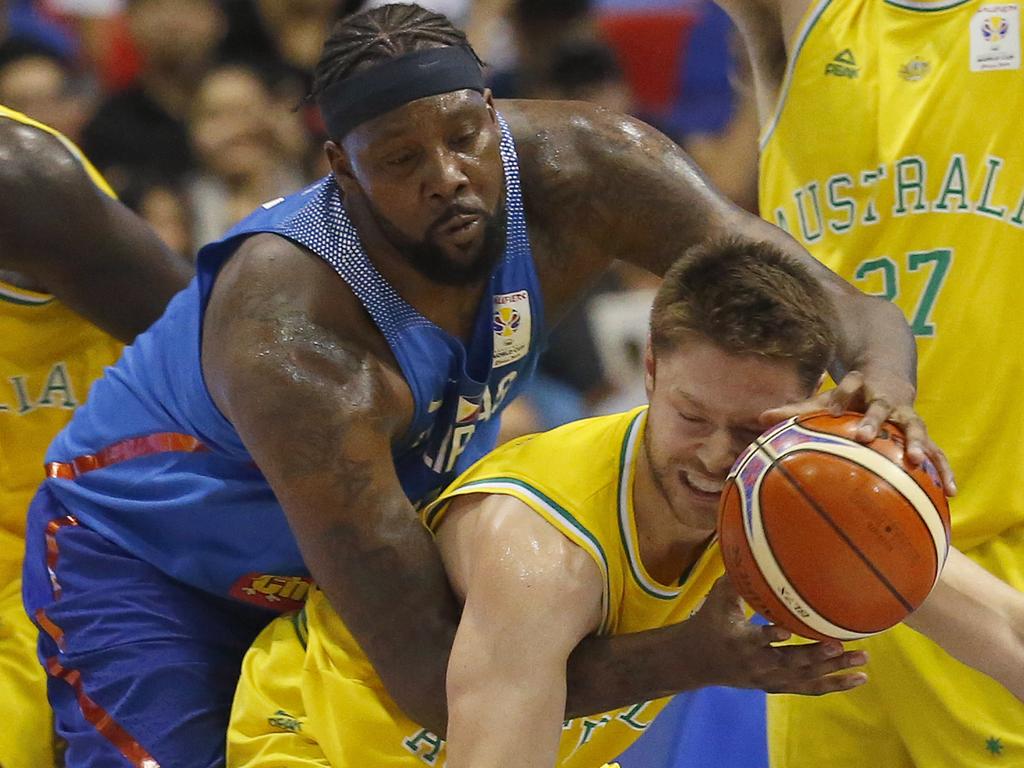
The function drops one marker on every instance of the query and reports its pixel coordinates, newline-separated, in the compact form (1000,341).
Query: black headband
(354,100)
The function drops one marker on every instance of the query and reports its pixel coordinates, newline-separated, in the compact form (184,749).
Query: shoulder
(498,543)
(276,304)
(35,164)
(274,277)
(566,141)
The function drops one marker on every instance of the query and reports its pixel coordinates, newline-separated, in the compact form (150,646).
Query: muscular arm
(531,595)
(60,231)
(977,618)
(656,204)
(290,359)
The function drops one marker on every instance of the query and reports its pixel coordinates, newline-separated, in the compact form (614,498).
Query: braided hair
(377,34)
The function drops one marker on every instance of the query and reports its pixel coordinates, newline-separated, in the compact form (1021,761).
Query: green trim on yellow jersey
(561,518)
(300,623)
(23,297)
(627,522)
(814,13)
(926,6)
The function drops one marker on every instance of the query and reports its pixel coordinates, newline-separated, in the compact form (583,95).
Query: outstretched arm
(630,193)
(977,618)
(62,232)
(716,646)
(531,595)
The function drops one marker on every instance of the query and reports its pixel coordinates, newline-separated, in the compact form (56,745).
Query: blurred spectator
(539,28)
(248,152)
(37,81)
(142,129)
(164,207)
(30,20)
(715,115)
(280,38)
(587,70)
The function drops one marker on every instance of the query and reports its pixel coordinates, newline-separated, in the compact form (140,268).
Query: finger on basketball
(916,435)
(920,446)
(938,458)
(848,394)
(878,411)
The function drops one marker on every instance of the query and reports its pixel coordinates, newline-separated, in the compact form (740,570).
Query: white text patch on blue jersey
(511,323)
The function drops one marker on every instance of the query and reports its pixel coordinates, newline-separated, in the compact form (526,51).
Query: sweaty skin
(62,235)
(292,359)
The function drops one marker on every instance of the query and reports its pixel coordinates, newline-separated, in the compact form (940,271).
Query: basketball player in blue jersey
(341,356)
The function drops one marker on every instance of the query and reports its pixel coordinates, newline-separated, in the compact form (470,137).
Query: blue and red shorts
(142,668)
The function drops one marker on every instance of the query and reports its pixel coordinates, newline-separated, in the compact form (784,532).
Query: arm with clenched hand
(318,409)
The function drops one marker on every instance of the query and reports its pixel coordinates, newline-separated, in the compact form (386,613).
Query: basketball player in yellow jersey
(64,243)
(605,525)
(891,150)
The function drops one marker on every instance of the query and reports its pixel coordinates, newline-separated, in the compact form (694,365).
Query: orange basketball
(828,537)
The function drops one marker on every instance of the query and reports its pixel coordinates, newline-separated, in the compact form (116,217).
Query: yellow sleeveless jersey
(579,478)
(309,696)
(48,358)
(895,158)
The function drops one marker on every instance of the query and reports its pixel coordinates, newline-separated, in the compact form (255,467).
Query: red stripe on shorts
(51,549)
(132,448)
(109,728)
(93,712)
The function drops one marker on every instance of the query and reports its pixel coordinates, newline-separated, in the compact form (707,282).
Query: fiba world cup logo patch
(506,320)
(995,38)
(995,28)
(511,326)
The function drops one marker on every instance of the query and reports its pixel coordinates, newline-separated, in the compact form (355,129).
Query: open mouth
(701,487)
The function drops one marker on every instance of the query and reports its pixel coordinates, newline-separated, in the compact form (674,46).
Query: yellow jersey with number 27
(895,157)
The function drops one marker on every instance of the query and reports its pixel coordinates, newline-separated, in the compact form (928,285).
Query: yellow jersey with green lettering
(49,356)
(895,158)
(309,695)
(892,158)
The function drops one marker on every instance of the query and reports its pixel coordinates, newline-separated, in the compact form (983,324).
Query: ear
(489,100)
(340,164)
(649,366)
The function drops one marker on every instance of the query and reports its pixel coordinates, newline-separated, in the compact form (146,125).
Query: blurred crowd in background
(194,110)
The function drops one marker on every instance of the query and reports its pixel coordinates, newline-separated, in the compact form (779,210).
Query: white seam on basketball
(772,573)
(847,449)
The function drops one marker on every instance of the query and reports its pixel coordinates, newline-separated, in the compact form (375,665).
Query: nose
(446,176)
(717,453)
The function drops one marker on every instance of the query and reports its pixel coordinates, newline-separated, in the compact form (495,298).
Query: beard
(430,259)
(658,473)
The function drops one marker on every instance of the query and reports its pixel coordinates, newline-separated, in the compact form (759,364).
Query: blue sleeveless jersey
(161,472)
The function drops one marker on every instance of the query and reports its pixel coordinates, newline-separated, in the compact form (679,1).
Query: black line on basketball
(785,573)
(776,461)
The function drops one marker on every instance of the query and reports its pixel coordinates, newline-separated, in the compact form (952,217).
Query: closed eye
(465,140)
(400,159)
